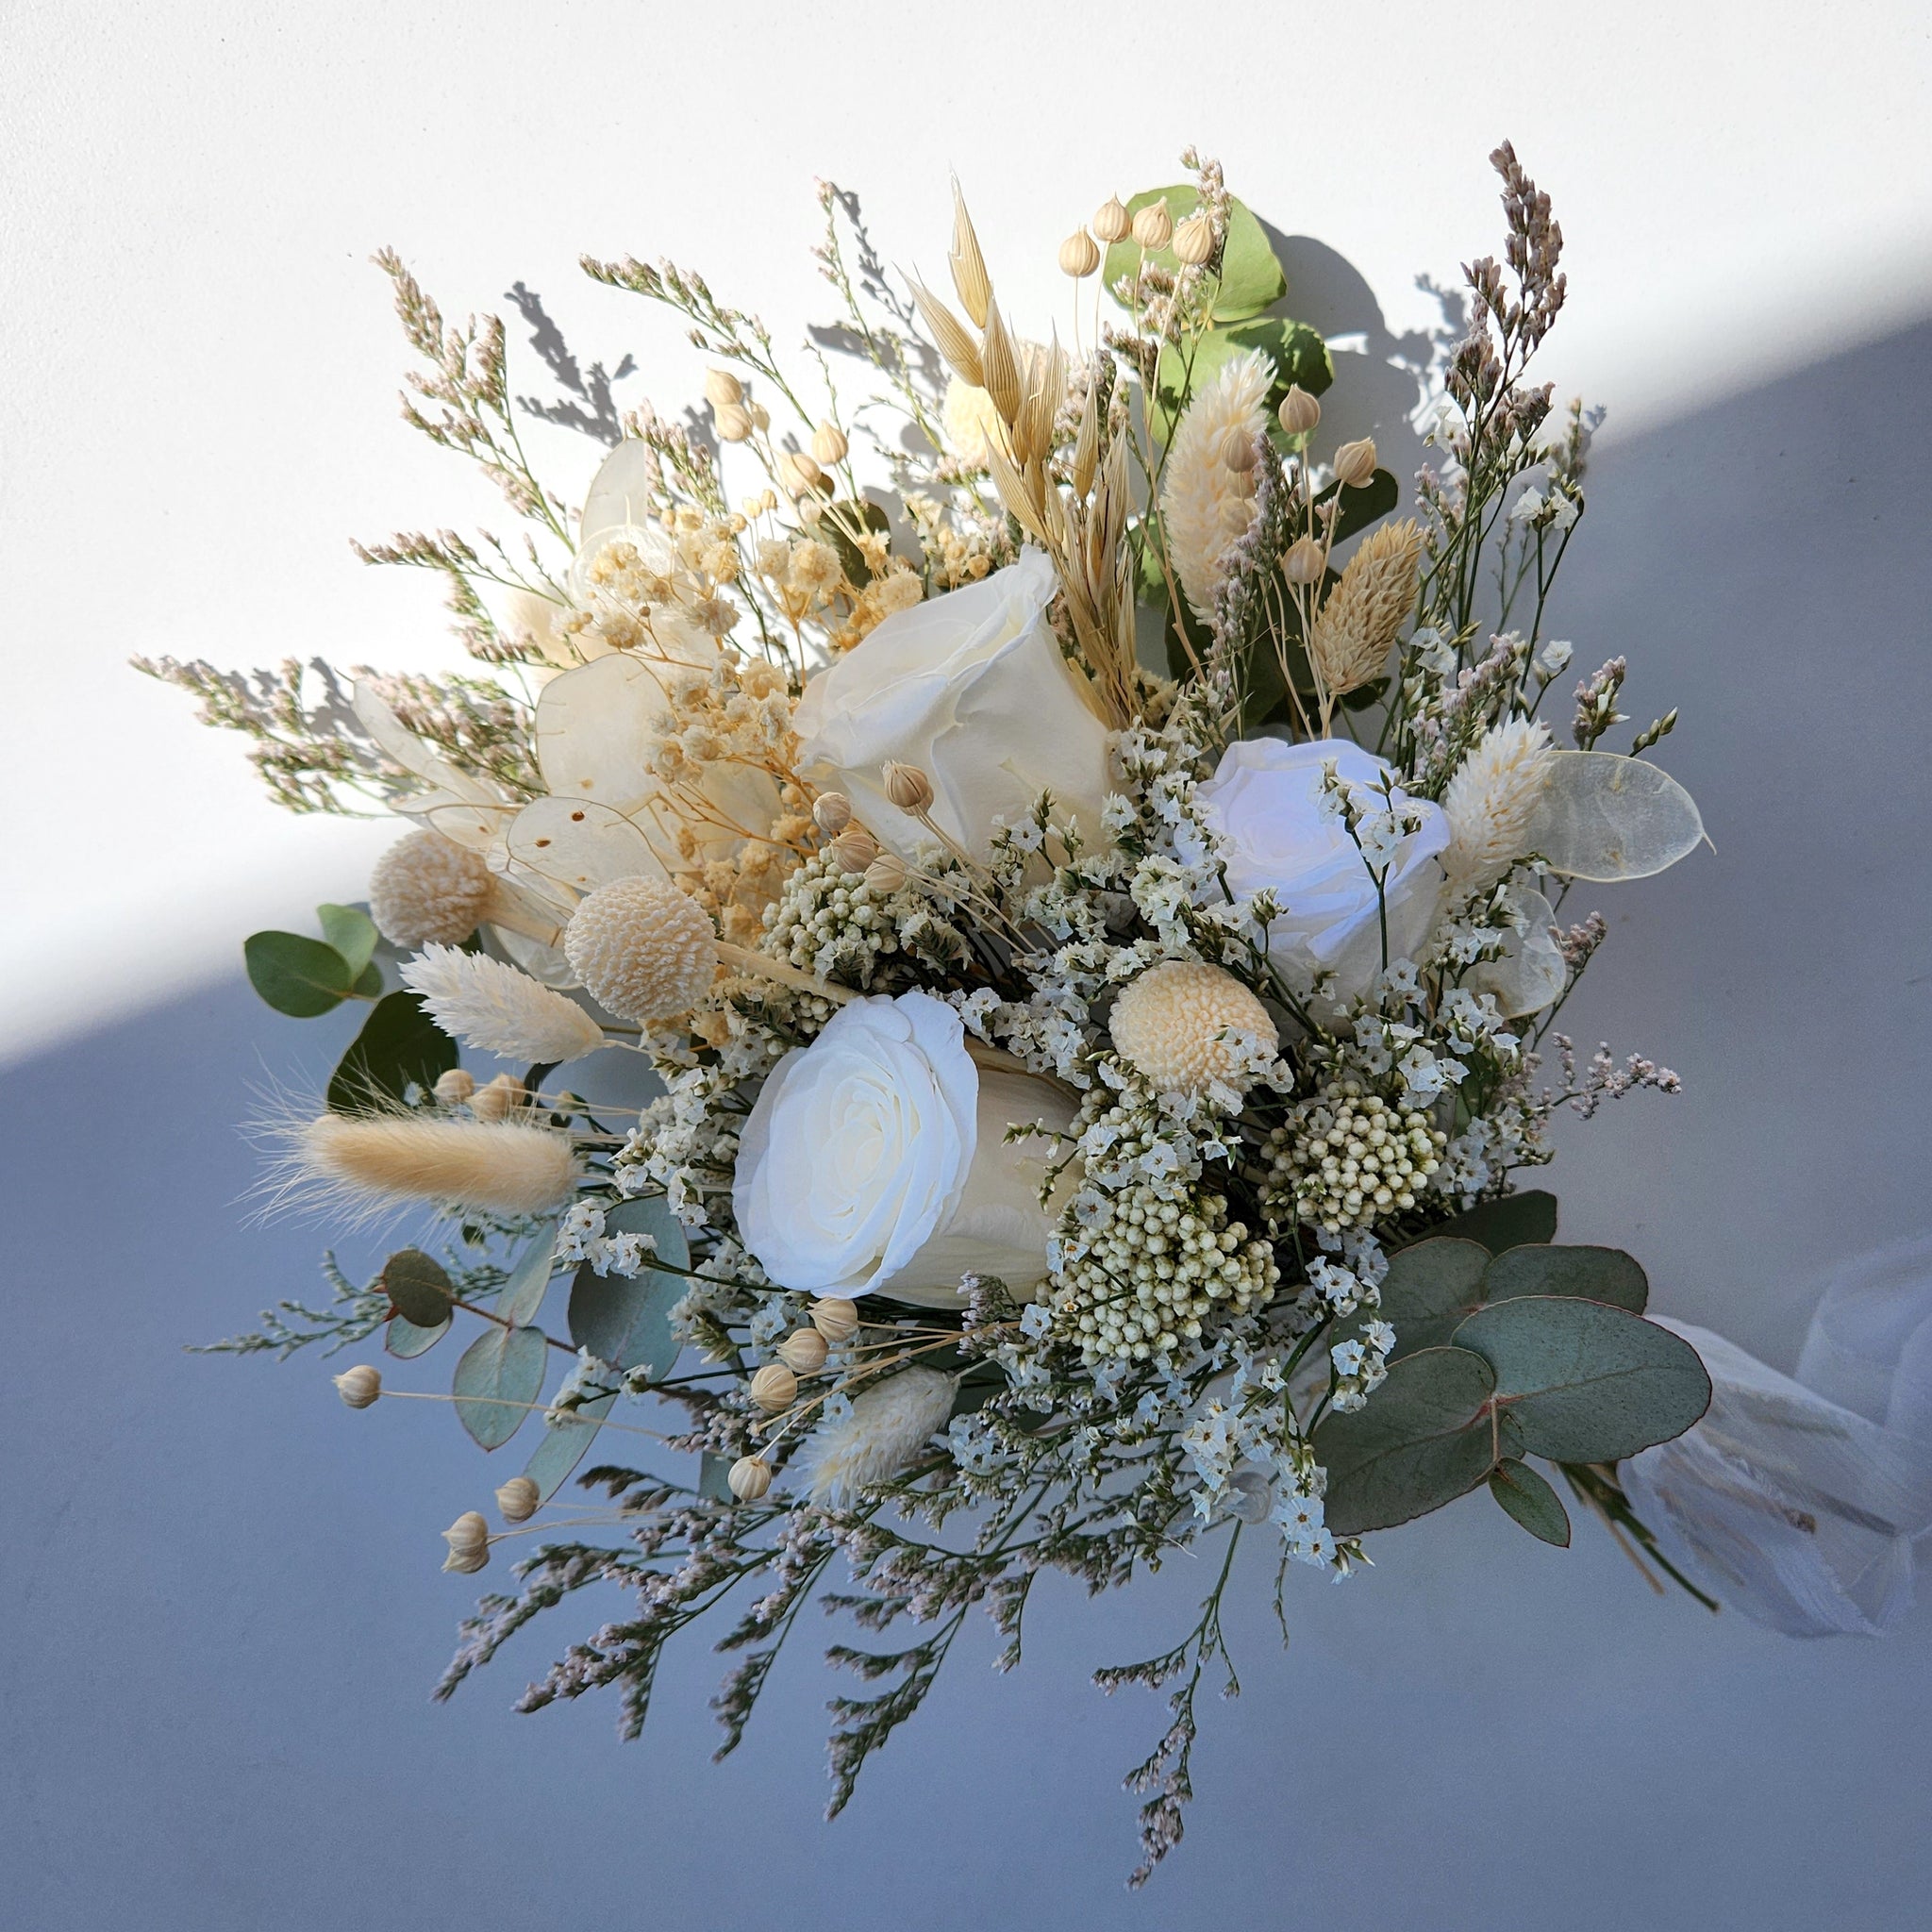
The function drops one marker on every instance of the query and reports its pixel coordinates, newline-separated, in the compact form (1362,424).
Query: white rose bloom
(971,688)
(876,1159)
(1266,801)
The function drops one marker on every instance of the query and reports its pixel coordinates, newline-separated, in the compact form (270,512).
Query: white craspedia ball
(1183,1024)
(427,888)
(643,949)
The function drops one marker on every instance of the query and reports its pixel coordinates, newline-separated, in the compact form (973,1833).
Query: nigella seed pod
(832,812)
(468,1538)
(361,1386)
(749,1477)
(1299,411)
(1153,225)
(1193,241)
(1354,463)
(828,445)
(734,423)
(907,787)
(803,1350)
(835,1317)
(775,1387)
(1110,220)
(1079,254)
(1303,561)
(721,388)
(517,1500)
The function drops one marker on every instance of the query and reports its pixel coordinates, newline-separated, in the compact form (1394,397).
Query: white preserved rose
(876,1159)
(1282,835)
(971,688)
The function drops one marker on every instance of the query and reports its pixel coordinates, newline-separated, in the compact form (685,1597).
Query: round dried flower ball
(428,889)
(1350,1160)
(1184,1024)
(643,949)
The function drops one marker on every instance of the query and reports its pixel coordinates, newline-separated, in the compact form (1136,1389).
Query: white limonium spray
(498,1010)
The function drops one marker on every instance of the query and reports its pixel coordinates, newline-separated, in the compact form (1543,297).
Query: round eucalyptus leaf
(1584,1382)
(400,1046)
(1428,1290)
(1595,1274)
(1251,278)
(403,1340)
(498,1376)
(301,977)
(352,933)
(1507,1223)
(626,1319)
(563,1446)
(1531,1500)
(418,1288)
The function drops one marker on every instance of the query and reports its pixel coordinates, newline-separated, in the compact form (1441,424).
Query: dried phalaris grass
(1358,624)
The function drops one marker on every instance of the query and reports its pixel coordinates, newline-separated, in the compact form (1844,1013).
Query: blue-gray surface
(221,1607)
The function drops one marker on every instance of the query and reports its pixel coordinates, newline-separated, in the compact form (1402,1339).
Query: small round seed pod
(1354,463)
(517,1500)
(775,1387)
(832,813)
(835,1317)
(749,1477)
(798,473)
(907,787)
(1238,450)
(468,1538)
(1193,241)
(887,873)
(1153,225)
(1299,411)
(761,416)
(497,1099)
(361,1386)
(1110,220)
(723,389)
(1079,254)
(454,1087)
(803,1350)
(1302,562)
(828,445)
(734,423)
(644,950)
(855,848)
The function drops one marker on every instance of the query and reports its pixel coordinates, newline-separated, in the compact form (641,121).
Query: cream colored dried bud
(775,1387)
(734,423)
(1153,225)
(497,1099)
(854,849)
(1110,220)
(1302,562)
(828,445)
(761,416)
(518,1499)
(454,1087)
(798,474)
(1299,411)
(804,1350)
(749,1477)
(468,1538)
(835,1317)
(1079,254)
(722,389)
(969,266)
(358,1386)
(832,812)
(1354,463)
(1238,450)
(1193,241)
(906,787)
(887,873)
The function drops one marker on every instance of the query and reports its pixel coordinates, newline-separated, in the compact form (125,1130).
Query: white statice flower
(498,1010)
(1205,506)
(882,1433)
(580,1231)
(1554,657)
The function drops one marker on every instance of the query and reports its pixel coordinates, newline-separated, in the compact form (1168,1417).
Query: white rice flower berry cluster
(829,920)
(1151,1270)
(1347,1158)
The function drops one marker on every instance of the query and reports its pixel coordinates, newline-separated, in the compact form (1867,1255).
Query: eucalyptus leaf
(418,1287)
(521,1297)
(1429,1289)
(1363,507)
(352,933)
(563,1446)
(498,1376)
(1251,278)
(1424,1437)
(369,986)
(627,1320)
(1298,353)
(1585,1382)
(298,977)
(1529,1498)
(399,1046)
(1595,1274)
(405,1339)
(714,1477)
(1505,1223)
(834,527)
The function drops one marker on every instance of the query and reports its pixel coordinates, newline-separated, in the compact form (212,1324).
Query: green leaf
(1531,1501)
(520,1298)
(1298,352)
(497,1378)
(369,985)
(563,1446)
(1251,278)
(352,933)
(1363,507)
(399,1045)
(406,1340)
(1594,1274)
(833,528)
(298,977)
(1426,1437)
(1507,1223)
(714,1477)
(1429,1289)
(1585,1382)
(418,1288)
(627,1320)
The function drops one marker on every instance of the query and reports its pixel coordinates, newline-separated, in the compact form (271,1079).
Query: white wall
(200,366)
